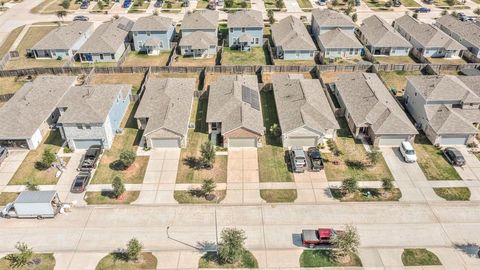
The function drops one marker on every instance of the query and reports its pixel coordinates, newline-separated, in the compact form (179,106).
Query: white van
(407,151)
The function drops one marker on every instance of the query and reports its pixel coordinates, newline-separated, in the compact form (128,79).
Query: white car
(407,151)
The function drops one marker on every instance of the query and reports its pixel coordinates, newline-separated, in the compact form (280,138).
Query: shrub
(387,184)
(22,258)
(354,17)
(415,15)
(66,4)
(208,154)
(347,242)
(232,244)
(48,158)
(208,186)
(333,147)
(451,2)
(134,248)
(275,130)
(118,187)
(243,4)
(388,4)
(335,2)
(67,150)
(279,3)
(355,164)
(127,158)
(31,186)
(228,3)
(349,185)
(477,11)
(271,17)
(374,156)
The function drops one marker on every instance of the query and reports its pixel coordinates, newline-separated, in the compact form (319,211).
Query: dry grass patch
(57,6)
(146,261)
(190,197)
(8,42)
(232,57)
(281,62)
(452,61)
(178,75)
(41,6)
(8,197)
(9,85)
(267,77)
(143,59)
(454,193)
(181,61)
(397,79)
(330,77)
(39,261)
(135,79)
(394,59)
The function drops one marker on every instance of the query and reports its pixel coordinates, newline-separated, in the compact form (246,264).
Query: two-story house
(466,33)
(199,32)
(153,34)
(292,40)
(245,29)
(446,108)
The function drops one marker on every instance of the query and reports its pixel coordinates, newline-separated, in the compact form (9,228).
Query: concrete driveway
(471,170)
(10,165)
(312,187)
(408,177)
(66,179)
(292,6)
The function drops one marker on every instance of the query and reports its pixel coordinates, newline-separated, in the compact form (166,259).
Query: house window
(256,41)
(231,30)
(243,29)
(161,44)
(148,34)
(406,100)
(80,126)
(113,56)
(311,53)
(88,127)
(101,56)
(135,33)
(351,50)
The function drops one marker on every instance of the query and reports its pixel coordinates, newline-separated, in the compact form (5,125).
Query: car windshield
(410,152)
(78,183)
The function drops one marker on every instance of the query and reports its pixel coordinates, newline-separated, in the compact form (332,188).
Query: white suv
(407,151)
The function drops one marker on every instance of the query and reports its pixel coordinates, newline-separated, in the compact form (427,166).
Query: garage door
(242,142)
(392,140)
(301,141)
(166,143)
(453,139)
(85,144)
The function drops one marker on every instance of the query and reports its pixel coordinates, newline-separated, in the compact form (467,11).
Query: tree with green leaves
(66,4)
(228,3)
(354,17)
(346,243)
(207,151)
(208,186)
(374,156)
(118,188)
(279,3)
(61,14)
(134,249)
(127,158)
(30,186)
(275,130)
(415,15)
(477,11)
(48,158)
(22,257)
(349,185)
(271,16)
(231,247)
(451,2)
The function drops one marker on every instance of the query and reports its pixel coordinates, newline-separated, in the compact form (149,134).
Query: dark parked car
(315,159)
(422,10)
(80,18)
(80,183)
(454,156)
(158,4)
(396,3)
(89,160)
(84,4)
(3,154)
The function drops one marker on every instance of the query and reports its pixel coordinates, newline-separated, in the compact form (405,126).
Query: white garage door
(85,144)
(453,139)
(301,141)
(392,140)
(242,142)
(166,143)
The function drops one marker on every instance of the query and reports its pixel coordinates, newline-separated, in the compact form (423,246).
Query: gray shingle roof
(63,37)
(468,31)
(235,102)
(369,102)
(108,37)
(379,33)
(327,17)
(444,120)
(440,88)
(199,40)
(152,23)
(90,104)
(245,18)
(167,103)
(302,102)
(291,34)
(427,35)
(338,38)
(200,19)
(31,105)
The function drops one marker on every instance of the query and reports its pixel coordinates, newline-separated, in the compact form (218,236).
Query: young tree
(134,248)
(335,2)
(127,158)
(118,187)
(271,16)
(415,15)
(232,244)
(61,14)
(31,186)
(208,154)
(451,2)
(66,4)
(48,158)
(374,156)
(477,11)
(208,186)
(275,130)
(20,259)
(354,17)
(346,243)
(444,12)
(349,185)
(279,3)
(387,184)
(228,3)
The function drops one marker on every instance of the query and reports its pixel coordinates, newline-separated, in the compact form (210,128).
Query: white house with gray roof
(447,108)
(381,38)
(304,113)
(92,114)
(27,117)
(292,40)
(466,33)
(62,42)
(245,29)
(153,34)
(234,111)
(203,25)
(164,112)
(427,39)
(108,42)
(371,110)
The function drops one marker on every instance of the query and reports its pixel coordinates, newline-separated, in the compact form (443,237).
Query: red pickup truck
(322,236)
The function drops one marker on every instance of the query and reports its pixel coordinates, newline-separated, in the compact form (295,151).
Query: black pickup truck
(90,159)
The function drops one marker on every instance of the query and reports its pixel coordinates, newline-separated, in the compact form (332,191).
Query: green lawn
(325,258)
(271,4)
(146,261)
(8,42)
(232,57)
(278,195)
(190,197)
(305,4)
(453,193)
(280,62)
(128,140)
(172,4)
(41,6)
(202,4)
(238,4)
(46,262)
(432,162)
(353,153)
(105,197)
(143,59)
(102,6)
(410,3)
(397,79)
(419,257)
(139,6)
(368,195)
(8,197)
(394,59)
(27,171)
(210,260)
(377,5)
(188,172)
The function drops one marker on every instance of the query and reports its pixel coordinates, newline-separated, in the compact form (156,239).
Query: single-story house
(234,111)
(92,114)
(62,42)
(371,110)
(427,39)
(164,112)
(32,111)
(304,113)
(203,25)
(467,32)
(446,108)
(292,40)
(108,42)
(245,29)
(381,38)
(338,43)
(153,34)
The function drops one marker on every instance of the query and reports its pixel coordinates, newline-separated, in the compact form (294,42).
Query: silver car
(298,159)
(3,154)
